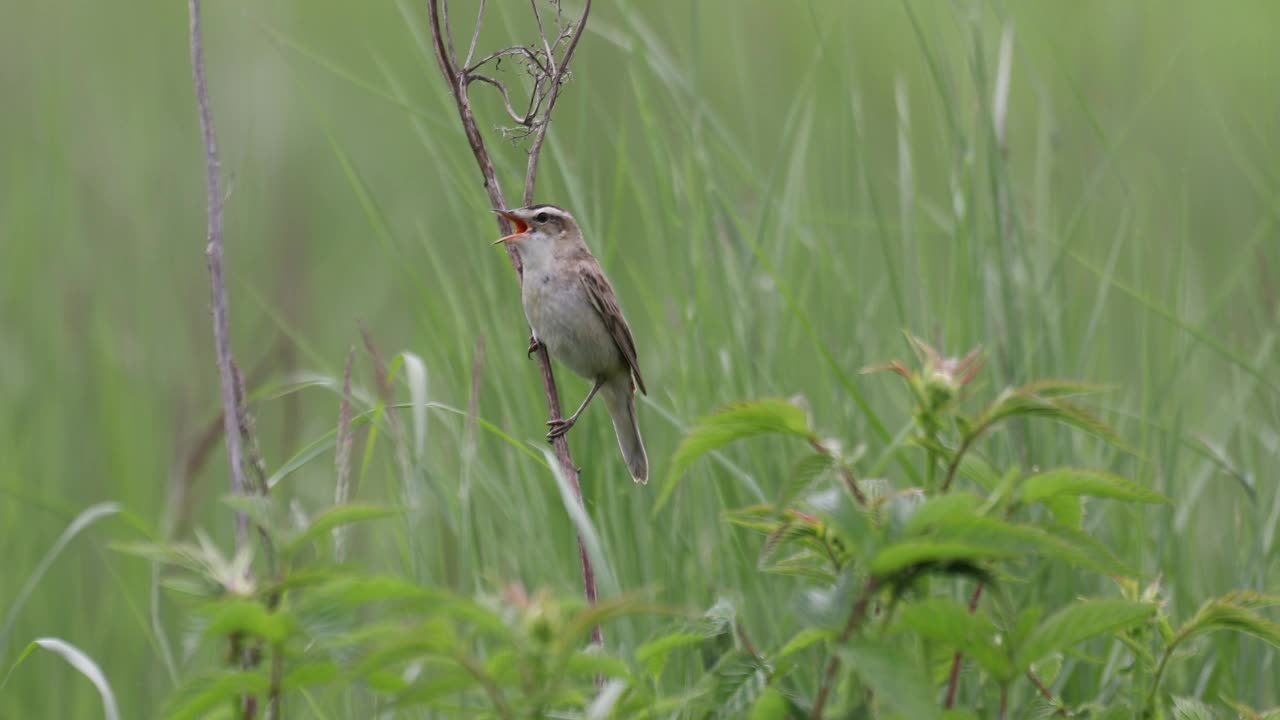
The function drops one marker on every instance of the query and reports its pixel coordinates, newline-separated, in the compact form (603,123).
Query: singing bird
(573,311)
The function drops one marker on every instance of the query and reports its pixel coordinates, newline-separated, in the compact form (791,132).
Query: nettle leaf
(336,517)
(1068,510)
(201,694)
(1233,611)
(591,663)
(653,654)
(895,678)
(803,475)
(1030,401)
(716,621)
(741,420)
(182,555)
(1078,547)
(771,705)
(909,553)
(1073,482)
(1185,708)
(953,508)
(737,681)
(250,617)
(1248,713)
(804,639)
(1080,622)
(952,625)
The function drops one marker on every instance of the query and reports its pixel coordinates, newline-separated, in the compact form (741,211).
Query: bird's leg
(560,427)
(534,344)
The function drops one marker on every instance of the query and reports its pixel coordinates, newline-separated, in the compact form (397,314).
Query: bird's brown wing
(605,302)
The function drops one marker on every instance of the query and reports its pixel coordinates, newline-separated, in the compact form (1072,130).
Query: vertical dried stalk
(342,490)
(549,75)
(217,280)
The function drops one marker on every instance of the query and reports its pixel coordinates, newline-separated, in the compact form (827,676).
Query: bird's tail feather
(619,398)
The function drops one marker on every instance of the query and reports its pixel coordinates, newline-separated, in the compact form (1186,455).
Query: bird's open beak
(521,227)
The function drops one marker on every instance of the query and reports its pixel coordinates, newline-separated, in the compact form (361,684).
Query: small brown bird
(574,312)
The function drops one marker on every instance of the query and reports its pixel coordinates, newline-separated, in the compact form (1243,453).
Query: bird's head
(544,227)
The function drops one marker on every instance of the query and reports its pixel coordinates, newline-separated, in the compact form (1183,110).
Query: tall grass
(776,192)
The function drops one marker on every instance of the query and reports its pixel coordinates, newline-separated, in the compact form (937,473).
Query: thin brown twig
(1058,707)
(557,77)
(475,35)
(513,50)
(546,47)
(342,457)
(506,97)
(458,82)
(856,615)
(217,278)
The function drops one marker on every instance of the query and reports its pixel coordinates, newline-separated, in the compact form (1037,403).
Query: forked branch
(548,75)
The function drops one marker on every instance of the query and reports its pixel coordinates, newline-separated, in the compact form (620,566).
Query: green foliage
(893,676)
(738,421)
(772,208)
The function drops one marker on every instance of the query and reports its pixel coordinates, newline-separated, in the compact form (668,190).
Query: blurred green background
(727,158)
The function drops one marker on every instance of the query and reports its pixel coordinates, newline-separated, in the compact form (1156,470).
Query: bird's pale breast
(563,318)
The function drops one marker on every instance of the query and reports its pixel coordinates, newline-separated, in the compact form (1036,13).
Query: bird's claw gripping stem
(559,427)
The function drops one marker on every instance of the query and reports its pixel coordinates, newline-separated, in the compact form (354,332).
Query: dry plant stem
(856,615)
(342,457)
(953,681)
(557,75)
(1059,708)
(217,280)
(459,80)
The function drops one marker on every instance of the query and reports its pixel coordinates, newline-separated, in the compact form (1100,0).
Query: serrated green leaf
(1248,713)
(952,625)
(590,663)
(802,476)
(895,678)
(771,705)
(1021,403)
(309,675)
(653,654)
(1067,510)
(908,553)
(1075,482)
(1186,708)
(183,555)
(803,639)
(737,421)
(199,695)
(335,517)
(1076,546)
(737,681)
(1231,612)
(949,509)
(978,470)
(243,615)
(1079,622)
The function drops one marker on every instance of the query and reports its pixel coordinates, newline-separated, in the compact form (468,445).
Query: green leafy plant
(887,565)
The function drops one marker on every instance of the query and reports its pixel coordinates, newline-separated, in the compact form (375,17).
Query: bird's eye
(541,217)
